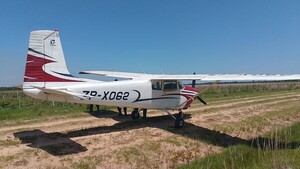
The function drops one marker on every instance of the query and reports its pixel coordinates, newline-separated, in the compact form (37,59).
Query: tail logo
(52,42)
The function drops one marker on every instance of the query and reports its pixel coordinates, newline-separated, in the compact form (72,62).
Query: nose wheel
(179,121)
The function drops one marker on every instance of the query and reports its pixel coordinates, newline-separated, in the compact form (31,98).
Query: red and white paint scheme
(47,77)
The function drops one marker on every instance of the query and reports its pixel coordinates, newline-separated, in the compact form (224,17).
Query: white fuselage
(128,93)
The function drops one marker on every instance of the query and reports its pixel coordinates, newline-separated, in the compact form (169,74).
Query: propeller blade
(201,100)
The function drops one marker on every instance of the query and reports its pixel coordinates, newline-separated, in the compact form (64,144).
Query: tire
(180,115)
(135,115)
(179,123)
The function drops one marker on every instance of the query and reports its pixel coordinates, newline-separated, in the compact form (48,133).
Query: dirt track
(105,140)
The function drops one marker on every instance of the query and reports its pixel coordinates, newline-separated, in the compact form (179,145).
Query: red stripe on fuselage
(189,88)
(34,71)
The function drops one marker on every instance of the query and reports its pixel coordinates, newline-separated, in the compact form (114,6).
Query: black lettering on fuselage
(112,95)
(125,96)
(108,95)
(119,96)
(105,95)
(93,93)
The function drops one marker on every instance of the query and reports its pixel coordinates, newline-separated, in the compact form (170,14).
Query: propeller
(198,97)
(201,100)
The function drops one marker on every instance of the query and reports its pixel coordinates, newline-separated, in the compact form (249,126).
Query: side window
(156,86)
(170,85)
(180,85)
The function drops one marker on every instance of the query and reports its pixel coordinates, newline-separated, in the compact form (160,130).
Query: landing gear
(179,121)
(180,114)
(120,111)
(125,111)
(144,113)
(135,114)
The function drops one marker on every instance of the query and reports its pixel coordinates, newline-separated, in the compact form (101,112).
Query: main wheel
(179,122)
(135,114)
(180,114)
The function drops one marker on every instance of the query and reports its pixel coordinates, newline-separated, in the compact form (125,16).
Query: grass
(237,104)
(22,162)
(15,105)
(128,153)
(8,158)
(288,112)
(134,156)
(83,165)
(152,146)
(17,108)
(7,143)
(88,162)
(173,140)
(18,159)
(225,91)
(278,149)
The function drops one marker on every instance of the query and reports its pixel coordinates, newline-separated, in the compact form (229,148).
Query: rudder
(45,60)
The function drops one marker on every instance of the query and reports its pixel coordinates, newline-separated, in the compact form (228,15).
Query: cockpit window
(170,85)
(156,86)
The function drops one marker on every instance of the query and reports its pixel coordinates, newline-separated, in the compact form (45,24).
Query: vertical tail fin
(46,64)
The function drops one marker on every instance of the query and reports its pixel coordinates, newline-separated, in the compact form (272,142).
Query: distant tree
(8,88)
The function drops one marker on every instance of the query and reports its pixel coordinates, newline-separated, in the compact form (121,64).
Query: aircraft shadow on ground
(61,143)
(109,114)
(53,143)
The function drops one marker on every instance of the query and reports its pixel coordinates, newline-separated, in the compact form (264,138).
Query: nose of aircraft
(191,90)
(190,93)
(195,93)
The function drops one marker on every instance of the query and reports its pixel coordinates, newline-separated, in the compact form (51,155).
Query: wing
(251,77)
(204,77)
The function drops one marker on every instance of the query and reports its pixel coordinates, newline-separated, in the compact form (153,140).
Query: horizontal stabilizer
(116,74)
(63,92)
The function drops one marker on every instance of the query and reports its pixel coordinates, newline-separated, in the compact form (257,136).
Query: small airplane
(47,78)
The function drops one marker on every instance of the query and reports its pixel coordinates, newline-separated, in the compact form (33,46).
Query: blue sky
(174,36)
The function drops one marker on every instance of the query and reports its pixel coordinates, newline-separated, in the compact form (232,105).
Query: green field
(276,149)
(215,92)
(17,107)
(14,105)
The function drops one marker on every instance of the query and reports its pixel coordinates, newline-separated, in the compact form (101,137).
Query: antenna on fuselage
(161,69)
(142,69)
